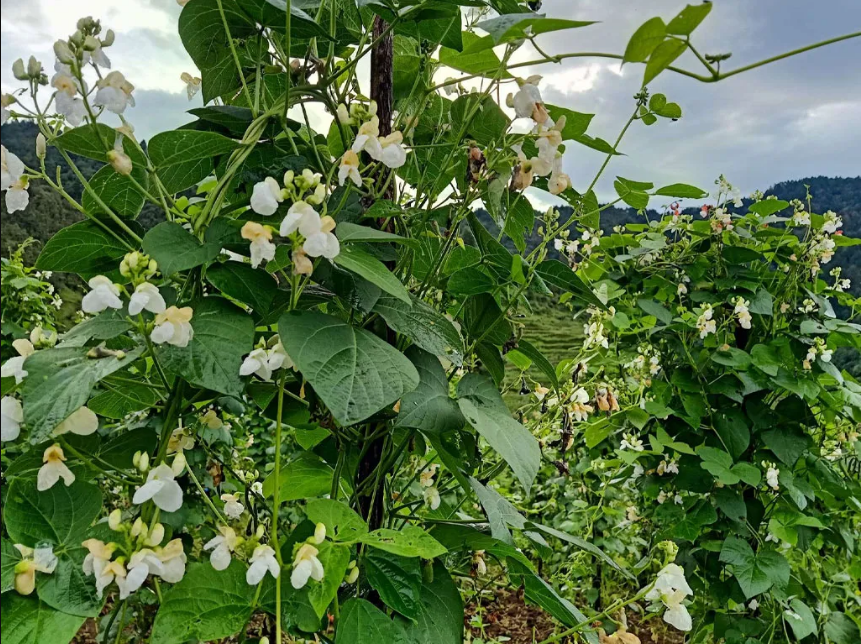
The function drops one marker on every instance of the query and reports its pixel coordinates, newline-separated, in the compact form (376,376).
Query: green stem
(236,57)
(276,506)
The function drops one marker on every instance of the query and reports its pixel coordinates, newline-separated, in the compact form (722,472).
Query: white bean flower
(40,559)
(393,154)
(266,196)
(12,415)
(368,138)
(222,546)
(349,169)
(192,84)
(631,442)
(306,566)
(262,560)
(742,312)
(14,367)
(431,497)
(83,422)
(559,181)
(162,488)
(13,181)
(173,327)
(260,238)
(5,101)
(114,93)
(671,588)
(233,509)
(527,102)
(772,477)
(67,100)
(146,297)
(705,323)
(97,559)
(317,231)
(104,294)
(173,560)
(580,409)
(53,469)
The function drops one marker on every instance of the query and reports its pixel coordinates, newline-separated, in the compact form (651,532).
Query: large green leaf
(305,477)
(342,524)
(514,26)
(840,629)
(440,619)
(117,191)
(689,19)
(501,513)
(482,60)
(420,322)
(206,605)
(410,541)
(429,408)
(731,426)
(59,515)
(59,382)
(94,142)
(644,41)
(367,266)
(68,589)
(84,248)
(398,580)
(363,622)
(253,287)
(223,334)
(355,373)
(484,409)
(558,274)
(800,619)
(663,57)
(185,157)
(755,572)
(119,398)
(105,326)
(27,620)
(175,249)
(335,558)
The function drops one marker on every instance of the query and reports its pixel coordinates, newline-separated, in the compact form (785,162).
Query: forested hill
(49,212)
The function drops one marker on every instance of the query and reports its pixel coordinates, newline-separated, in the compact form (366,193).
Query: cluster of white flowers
(306,565)
(808,306)
(631,442)
(821,251)
(645,365)
(667,467)
(663,496)
(727,192)
(832,223)
(772,474)
(580,407)
(266,359)
(818,348)
(721,220)
(706,324)
(800,218)
(670,589)
(430,492)
(840,285)
(594,329)
(742,312)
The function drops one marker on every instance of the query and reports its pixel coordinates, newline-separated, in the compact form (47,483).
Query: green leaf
(59,382)
(519,221)
(470,281)
(755,572)
(119,451)
(398,580)
(335,558)
(483,62)
(353,233)
(183,158)
(355,373)
(732,357)
(175,249)
(541,362)
(731,503)
(253,287)
(342,524)
(440,619)
(515,26)
(121,398)
(591,548)
(632,195)
(105,326)
(223,334)
(801,619)
(840,629)
(560,275)
(766,359)
(27,620)
(662,57)
(656,309)
(410,541)
(420,322)
(362,622)
(10,559)
(206,605)
(500,512)
(681,191)
(576,123)
(84,248)
(762,303)
(768,207)
(484,409)
(367,266)
(644,41)
(489,122)
(540,592)
(690,527)
(94,142)
(117,191)
(59,515)
(483,319)
(731,426)
(429,408)
(689,19)
(304,477)
(68,589)
(787,445)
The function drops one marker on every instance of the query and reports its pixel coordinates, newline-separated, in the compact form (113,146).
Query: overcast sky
(792,119)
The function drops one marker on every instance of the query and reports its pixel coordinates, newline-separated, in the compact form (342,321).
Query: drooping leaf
(515,26)
(398,580)
(420,322)
(429,408)
(83,248)
(440,618)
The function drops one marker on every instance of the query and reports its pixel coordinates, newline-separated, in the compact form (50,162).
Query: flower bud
(77,38)
(264,640)
(136,459)
(120,162)
(34,68)
(115,519)
(138,527)
(143,465)
(91,43)
(63,52)
(41,146)
(108,40)
(18,70)
(156,535)
(179,463)
(352,576)
(320,533)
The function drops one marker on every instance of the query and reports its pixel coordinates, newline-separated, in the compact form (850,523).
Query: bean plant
(281,415)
